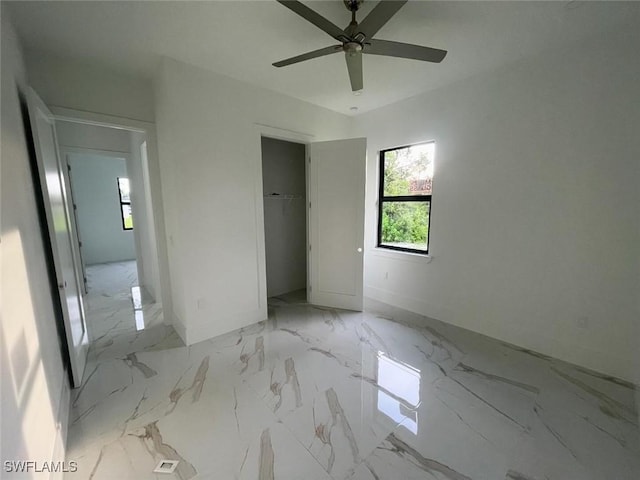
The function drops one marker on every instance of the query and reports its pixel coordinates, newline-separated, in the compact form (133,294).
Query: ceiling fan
(357,38)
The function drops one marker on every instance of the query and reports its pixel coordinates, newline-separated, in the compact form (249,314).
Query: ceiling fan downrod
(352,28)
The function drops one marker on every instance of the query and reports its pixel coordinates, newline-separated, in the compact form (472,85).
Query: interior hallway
(316,393)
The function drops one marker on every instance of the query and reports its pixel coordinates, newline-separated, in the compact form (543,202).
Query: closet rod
(281,196)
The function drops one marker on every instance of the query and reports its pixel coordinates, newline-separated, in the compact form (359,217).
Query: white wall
(78,135)
(212,191)
(85,86)
(285,221)
(35,388)
(95,193)
(535,225)
(137,167)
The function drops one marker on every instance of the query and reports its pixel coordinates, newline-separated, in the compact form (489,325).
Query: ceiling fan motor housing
(352,48)
(353,5)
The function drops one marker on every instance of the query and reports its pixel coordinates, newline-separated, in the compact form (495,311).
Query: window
(125,203)
(404,201)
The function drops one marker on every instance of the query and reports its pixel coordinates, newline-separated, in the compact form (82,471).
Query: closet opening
(284,184)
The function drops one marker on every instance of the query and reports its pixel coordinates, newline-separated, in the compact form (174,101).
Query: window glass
(123,186)
(125,203)
(405,224)
(127,219)
(409,170)
(406,175)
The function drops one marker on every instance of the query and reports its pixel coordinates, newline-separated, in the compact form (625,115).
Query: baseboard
(411,304)
(594,360)
(221,324)
(178,326)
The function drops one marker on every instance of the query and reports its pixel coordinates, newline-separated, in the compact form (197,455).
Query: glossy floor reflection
(113,293)
(315,393)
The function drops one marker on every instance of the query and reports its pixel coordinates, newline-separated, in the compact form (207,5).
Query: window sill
(403,256)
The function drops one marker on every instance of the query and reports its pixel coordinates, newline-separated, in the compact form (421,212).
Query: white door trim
(100,119)
(94,151)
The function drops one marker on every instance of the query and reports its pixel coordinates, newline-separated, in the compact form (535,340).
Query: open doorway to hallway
(101,195)
(109,186)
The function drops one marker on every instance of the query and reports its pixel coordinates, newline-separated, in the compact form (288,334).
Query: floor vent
(166,466)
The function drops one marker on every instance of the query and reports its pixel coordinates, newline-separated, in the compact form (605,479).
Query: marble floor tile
(584,426)
(112,293)
(317,393)
(336,418)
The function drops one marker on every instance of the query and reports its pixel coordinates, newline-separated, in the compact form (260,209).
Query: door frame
(80,267)
(261,130)
(159,231)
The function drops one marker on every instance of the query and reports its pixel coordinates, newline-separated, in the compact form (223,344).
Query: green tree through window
(405,197)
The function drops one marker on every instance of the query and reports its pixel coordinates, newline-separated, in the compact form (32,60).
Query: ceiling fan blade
(315,18)
(354,65)
(404,50)
(380,15)
(309,55)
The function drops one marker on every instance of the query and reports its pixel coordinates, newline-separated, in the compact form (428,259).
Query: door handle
(62,285)
(359,249)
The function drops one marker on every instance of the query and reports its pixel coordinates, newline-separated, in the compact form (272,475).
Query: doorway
(110,190)
(101,193)
(284,184)
(57,134)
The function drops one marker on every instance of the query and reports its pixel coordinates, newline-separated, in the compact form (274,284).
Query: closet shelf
(282,196)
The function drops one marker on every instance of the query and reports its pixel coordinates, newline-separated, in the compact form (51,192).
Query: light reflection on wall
(31,391)
(399,392)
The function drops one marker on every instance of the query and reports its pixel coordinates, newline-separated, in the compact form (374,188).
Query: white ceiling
(242,38)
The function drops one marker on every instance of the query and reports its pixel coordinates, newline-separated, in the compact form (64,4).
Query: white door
(52,182)
(336,222)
